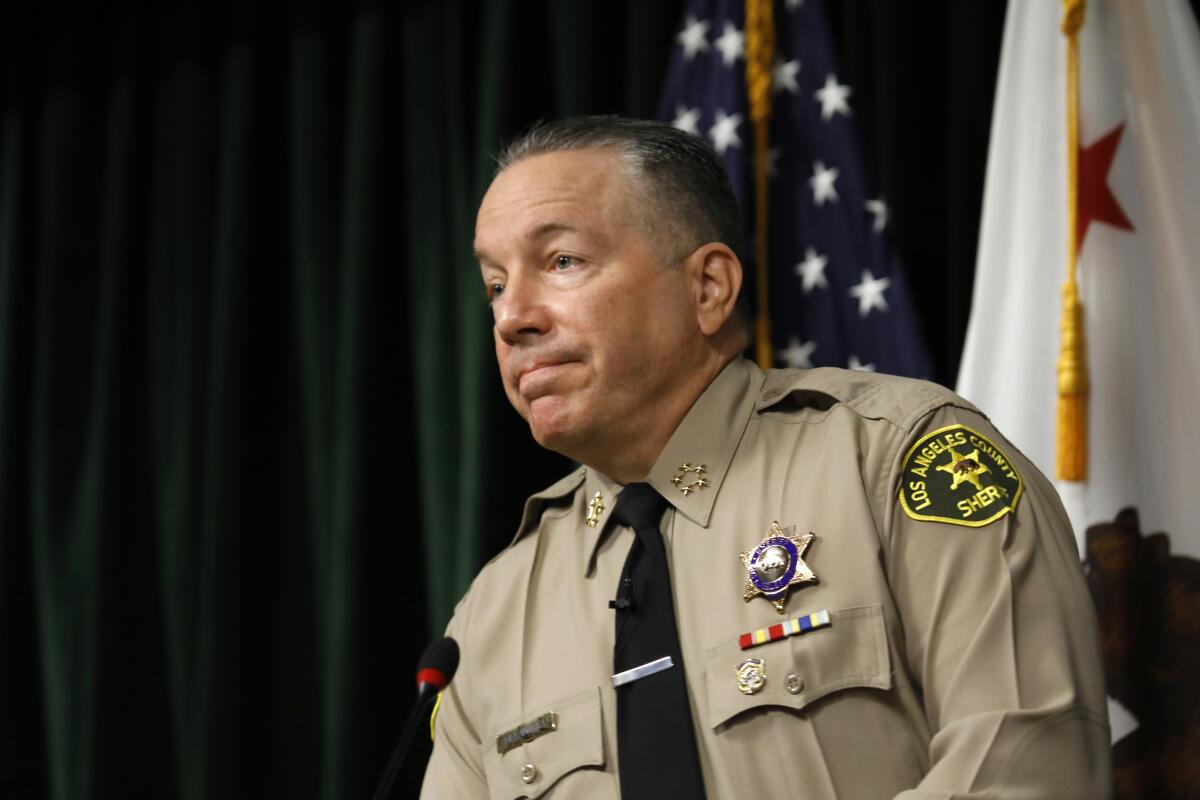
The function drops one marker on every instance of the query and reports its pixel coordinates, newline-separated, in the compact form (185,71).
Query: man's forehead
(552,193)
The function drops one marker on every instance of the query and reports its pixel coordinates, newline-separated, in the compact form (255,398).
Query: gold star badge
(776,565)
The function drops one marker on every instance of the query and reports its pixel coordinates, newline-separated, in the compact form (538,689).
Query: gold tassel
(1071,432)
(760,53)
(1071,452)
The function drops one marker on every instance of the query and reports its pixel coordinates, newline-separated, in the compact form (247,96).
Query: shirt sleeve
(455,766)
(999,631)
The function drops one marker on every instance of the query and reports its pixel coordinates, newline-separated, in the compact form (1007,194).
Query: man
(868,591)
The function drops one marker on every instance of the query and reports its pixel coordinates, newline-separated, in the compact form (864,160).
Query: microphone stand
(425,695)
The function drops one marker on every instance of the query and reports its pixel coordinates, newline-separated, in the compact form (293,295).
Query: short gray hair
(685,183)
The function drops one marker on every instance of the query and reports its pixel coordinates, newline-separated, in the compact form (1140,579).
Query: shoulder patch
(957,475)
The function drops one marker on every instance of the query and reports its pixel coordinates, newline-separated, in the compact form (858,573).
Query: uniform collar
(707,438)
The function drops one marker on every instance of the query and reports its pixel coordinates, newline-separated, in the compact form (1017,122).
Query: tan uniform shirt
(959,662)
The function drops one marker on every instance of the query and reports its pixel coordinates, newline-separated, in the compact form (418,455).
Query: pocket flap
(542,757)
(798,670)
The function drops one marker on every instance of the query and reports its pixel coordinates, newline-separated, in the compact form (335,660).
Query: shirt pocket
(852,652)
(530,769)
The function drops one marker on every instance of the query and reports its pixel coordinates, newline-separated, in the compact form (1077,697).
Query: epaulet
(538,502)
(900,401)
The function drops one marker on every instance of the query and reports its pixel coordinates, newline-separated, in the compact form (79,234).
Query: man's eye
(495,290)
(564,262)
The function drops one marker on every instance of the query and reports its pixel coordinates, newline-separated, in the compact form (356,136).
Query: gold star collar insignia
(686,485)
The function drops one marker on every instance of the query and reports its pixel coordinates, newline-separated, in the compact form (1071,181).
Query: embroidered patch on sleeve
(957,475)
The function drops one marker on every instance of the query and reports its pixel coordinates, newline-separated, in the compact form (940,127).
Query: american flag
(838,296)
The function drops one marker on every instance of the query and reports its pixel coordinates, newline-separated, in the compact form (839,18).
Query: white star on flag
(822,183)
(724,133)
(833,98)
(784,76)
(732,45)
(820,191)
(879,209)
(858,365)
(796,355)
(693,37)
(812,271)
(870,293)
(686,119)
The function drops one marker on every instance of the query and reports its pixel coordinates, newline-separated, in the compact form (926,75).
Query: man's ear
(715,278)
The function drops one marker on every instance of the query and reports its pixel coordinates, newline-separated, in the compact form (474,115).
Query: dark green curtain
(252,442)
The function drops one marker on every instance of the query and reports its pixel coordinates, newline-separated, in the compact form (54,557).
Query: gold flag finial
(760,55)
(1070,462)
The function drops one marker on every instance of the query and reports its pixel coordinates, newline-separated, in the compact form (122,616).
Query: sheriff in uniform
(876,594)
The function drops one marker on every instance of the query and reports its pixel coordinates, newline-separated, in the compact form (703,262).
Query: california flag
(1136,241)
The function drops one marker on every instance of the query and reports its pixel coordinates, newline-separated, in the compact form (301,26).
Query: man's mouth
(536,379)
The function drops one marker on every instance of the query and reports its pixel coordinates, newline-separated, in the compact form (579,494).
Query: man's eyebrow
(546,229)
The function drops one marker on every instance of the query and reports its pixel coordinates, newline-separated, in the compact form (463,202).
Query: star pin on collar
(776,565)
(688,486)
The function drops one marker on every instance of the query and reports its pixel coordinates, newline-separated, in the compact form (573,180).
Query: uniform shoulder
(499,569)
(556,493)
(900,401)
(561,492)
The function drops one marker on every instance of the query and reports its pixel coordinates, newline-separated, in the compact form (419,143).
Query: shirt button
(529,773)
(794,683)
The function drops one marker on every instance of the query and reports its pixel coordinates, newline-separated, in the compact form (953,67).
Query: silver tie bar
(637,673)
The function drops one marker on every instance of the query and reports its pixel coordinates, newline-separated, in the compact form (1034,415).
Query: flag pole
(1071,429)
(760,53)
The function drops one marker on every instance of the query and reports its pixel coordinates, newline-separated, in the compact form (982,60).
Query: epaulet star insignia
(776,565)
(957,475)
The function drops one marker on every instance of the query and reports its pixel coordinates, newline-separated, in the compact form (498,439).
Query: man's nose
(520,311)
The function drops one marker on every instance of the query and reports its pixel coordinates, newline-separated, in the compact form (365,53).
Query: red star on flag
(1096,200)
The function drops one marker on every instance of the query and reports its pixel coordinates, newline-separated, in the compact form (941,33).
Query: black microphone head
(438,663)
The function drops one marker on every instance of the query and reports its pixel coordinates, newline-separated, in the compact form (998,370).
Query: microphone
(434,671)
(437,666)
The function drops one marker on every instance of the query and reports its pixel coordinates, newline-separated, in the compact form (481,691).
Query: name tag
(527,732)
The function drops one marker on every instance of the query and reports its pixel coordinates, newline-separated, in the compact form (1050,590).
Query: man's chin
(552,425)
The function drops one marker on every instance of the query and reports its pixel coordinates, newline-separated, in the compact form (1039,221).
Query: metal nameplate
(527,732)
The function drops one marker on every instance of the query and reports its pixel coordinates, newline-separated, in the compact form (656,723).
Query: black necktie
(656,745)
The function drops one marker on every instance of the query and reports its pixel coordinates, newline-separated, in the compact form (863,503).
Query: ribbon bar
(804,624)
